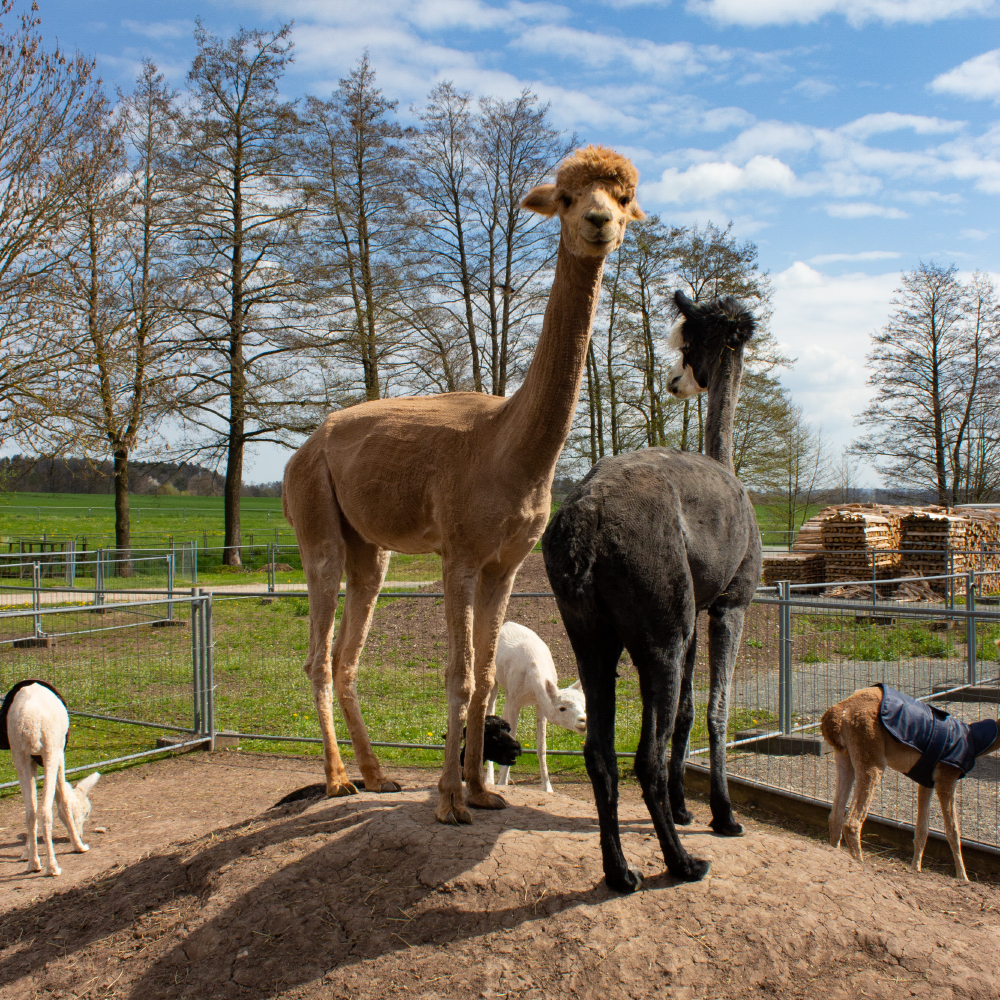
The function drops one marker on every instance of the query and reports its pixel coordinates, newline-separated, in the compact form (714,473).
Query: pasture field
(157,519)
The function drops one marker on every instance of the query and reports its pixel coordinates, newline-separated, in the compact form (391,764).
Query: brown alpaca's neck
(723,393)
(536,420)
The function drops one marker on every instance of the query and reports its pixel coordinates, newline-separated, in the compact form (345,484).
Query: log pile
(859,541)
(841,543)
(796,567)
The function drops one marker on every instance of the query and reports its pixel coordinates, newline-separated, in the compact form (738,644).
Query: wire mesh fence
(198,665)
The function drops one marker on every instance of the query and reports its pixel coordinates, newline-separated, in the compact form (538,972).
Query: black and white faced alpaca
(34,726)
(644,543)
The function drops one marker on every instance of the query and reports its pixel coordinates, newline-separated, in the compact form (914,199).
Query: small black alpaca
(644,543)
(498,745)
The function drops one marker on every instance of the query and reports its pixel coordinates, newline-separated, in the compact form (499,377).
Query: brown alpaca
(462,474)
(864,748)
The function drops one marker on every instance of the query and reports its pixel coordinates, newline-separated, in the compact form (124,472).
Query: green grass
(894,643)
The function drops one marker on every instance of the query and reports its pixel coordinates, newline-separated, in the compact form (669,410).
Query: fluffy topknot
(596,163)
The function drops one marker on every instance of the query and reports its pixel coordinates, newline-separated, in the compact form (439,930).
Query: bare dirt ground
(198,890)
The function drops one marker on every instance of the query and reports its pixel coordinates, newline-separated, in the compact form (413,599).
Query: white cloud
(864,210)
(831,258)
(856,12)
(160,29)
(891,121)
(975,234)
(825,322)
(677,59)
(704,181)
(814,89)
(977,78)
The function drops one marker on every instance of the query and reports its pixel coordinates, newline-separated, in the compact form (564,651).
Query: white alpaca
(37,724)
(527,675)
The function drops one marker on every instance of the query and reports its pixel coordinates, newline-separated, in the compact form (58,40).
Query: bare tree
(241,206)
(46,99)
(355,159)
(444,185)
(933,368)
(111,284)
(516,147)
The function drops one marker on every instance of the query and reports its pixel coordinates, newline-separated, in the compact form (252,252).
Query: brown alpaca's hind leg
(867,785)
(310,503)
(945,785)
(845,782)
(366,569)
(920,831)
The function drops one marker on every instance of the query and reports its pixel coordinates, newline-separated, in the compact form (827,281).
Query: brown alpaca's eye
(624,200)
(566,200)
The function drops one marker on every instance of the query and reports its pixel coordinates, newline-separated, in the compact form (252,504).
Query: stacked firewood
(859,543)
(841,543)
(796,567)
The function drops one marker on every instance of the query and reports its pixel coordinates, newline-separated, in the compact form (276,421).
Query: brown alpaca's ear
(541,199)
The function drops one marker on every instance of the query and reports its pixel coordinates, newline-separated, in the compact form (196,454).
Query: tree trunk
(123,530)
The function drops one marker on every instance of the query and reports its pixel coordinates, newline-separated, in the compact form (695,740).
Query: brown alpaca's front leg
(845,782)
(945,778)
(491,606)
(868,782)
(920,831)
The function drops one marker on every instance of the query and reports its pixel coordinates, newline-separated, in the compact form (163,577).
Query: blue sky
(848,138)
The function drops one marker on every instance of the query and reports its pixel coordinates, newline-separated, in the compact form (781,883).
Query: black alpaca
(644,543)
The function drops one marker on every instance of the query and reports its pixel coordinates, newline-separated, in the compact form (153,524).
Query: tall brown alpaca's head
(594,197)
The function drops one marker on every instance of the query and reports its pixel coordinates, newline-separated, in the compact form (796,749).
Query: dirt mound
(368,897)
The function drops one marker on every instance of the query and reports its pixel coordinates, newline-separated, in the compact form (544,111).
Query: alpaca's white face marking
(681,383)
(675,339)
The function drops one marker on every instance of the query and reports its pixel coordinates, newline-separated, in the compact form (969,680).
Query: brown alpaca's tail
(830,725)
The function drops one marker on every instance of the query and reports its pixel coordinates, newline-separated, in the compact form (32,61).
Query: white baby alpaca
(527,675)
(37,724)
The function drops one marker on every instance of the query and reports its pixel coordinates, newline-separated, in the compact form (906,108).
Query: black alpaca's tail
(568,548)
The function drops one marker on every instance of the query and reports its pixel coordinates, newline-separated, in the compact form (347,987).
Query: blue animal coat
(935,734)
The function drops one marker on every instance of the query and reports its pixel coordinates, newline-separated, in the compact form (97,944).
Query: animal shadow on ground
(278,901)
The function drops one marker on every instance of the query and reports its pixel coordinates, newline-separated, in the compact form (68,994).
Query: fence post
(970,628)
(194,562)
(784,658)
(36,594)
(170,586)
(951,579)
(874,584)
(271,556)
(209,674)
(196,658)
(71,563)
(99,577)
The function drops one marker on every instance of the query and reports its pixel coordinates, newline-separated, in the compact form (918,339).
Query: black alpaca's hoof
(727,828)
(694,871)
(628,881)
(682,817)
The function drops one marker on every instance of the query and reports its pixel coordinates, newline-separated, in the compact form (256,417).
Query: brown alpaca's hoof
(451,810)
(338,789)
(390,786)
(486,800)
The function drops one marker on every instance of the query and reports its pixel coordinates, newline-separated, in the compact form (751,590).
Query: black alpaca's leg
(661,681)
(725,626)
(682,732)
(598,649)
